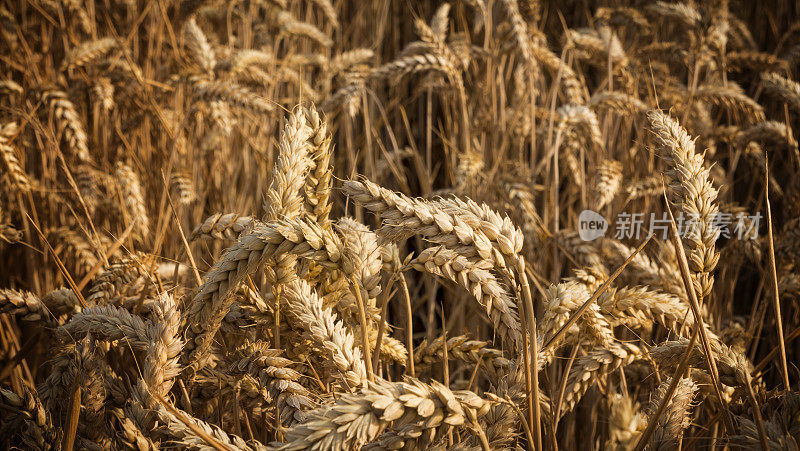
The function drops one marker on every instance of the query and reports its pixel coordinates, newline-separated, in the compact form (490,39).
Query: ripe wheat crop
(338,225)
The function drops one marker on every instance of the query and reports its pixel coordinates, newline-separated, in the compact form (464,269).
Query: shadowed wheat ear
(69,122)
(560,303)
(787,90)
(133,196)
(232,94)
(734,368)
(108,323)
(462,348)
(18,179)
(267,241)
(640,306)
(30,417)
(692,191)
(273,372)
(677,415)
(598,363)
(24,305)
(617,101)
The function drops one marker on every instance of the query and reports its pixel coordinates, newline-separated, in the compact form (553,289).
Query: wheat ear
(273,372)
(690,183)
(222,226)
(475,276)
(676,417)
(318,181)
(416,409)
(267,241)
(326,332)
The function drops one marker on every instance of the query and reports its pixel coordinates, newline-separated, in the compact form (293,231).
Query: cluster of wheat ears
(338,224)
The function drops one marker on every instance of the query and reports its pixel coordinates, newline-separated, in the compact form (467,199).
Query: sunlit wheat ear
(181,188)
(318,183)
(163,351)
(283,199)
(461,228)
(362,247)
(425,411)
(199,47)
(222,226)
(679,12)
(328,334)
(475,277)
(103,93)
(293,27)
(692,191)
(176,431)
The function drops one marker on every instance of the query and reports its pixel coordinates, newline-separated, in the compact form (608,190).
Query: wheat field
(338,225)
